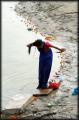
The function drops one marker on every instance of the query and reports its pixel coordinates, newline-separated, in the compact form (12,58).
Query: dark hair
(37,42)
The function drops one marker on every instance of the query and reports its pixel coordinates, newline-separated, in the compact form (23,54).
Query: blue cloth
(75,91)
(45,64)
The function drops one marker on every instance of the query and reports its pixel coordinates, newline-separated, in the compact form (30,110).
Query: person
(45,60)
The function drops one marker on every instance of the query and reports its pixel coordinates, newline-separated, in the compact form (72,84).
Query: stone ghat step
(18,102)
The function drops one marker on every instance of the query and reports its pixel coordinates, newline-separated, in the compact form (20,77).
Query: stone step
(18,103)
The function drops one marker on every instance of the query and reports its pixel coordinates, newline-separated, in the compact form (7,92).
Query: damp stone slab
(18,103)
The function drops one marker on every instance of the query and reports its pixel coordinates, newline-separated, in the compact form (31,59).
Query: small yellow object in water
(49,38)
(61,62)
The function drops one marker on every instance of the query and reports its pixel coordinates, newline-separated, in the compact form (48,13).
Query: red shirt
(47,45)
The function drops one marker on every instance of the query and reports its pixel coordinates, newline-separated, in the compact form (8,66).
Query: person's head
(38,43)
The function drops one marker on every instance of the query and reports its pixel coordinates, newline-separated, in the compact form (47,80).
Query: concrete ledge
(18,103)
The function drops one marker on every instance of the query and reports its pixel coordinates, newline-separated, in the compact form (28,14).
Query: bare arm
(56,47)
(53,46)
(60,49)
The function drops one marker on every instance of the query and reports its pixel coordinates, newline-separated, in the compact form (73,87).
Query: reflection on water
(19,70)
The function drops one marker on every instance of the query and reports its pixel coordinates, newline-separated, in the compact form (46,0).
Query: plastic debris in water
(61,78)
(49,38)
(49,105)
(61,62)
(75,91)
(29,29)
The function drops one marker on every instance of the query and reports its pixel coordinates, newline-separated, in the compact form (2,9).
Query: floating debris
(49,105)
(75,91)
(29,29)
(61,78)
(49,38)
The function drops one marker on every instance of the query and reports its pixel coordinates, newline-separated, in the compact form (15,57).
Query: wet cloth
(45,64)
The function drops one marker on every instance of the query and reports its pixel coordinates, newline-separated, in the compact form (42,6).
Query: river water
(19,70)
